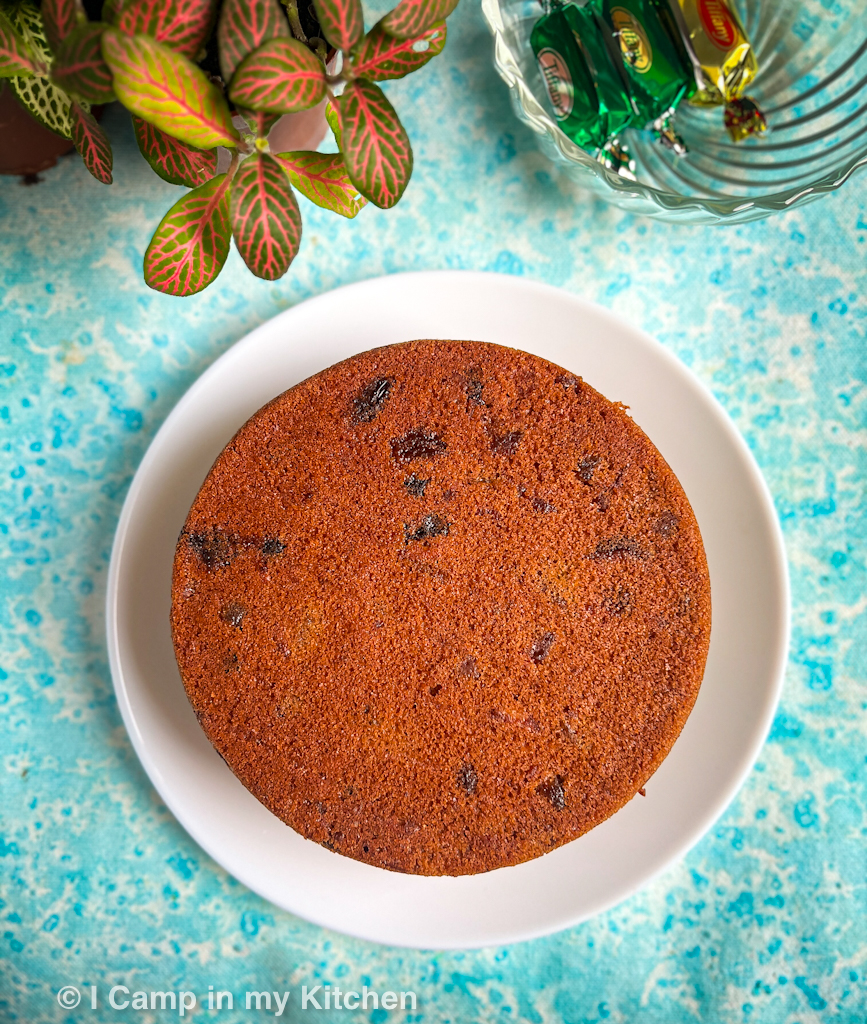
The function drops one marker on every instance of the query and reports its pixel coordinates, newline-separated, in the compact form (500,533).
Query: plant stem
(294,21)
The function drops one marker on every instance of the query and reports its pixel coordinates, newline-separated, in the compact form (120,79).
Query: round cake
(441,607)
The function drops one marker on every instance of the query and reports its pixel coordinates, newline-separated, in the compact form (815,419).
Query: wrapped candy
(724,62)
(612,64)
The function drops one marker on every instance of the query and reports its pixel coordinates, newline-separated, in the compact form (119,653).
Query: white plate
(707,764)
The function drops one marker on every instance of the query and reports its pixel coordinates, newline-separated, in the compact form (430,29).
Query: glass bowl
(811,85)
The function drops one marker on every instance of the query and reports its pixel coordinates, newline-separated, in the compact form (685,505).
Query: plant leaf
(380,56)
(174,161)
(191,244)
(281,76)
(79,66)
(49,104)
(333,119)
(184,25)
(15,55)
(259,121)
(166,89)
(412,17)
(322,177)
(92,143)
(342,21)
(266,221)
(244,26)
(375,145)
(59,18)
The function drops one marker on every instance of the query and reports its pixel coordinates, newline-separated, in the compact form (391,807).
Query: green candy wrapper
(655,61)
(569,82)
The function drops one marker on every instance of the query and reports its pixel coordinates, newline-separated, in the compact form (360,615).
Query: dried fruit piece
(541,648)
(468,779)
(553,791)
(507,444)
(417,444)
(415,486)
(367,405)
(586,467)
(214,547)
(666,523)
(540,505)
(232,613)
(431,526)
(468,668)
(614,547)
(474,386)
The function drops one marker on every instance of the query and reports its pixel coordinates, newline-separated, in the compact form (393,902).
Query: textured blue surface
(764,921)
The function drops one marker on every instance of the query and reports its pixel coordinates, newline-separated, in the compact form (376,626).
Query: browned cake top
(441,607)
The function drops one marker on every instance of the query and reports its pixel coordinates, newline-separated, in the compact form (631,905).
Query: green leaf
(266,221)
(375,146)
(342,21)
(380,56)
(49,104)
(333,119)
(15,55)
(166,89)
(59,18)
(191,244)
(322,177)
(412,17)
(79,66)
(259,121)
(244,26)
(174,161)
(92,143)
(184,25)
(282,76)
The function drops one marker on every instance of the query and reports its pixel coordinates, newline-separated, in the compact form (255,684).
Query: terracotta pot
(304,130)
(26,146)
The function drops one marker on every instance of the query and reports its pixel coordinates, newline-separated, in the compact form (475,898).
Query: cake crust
(441,607)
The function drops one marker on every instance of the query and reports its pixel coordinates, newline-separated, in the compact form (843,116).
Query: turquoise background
(764,921)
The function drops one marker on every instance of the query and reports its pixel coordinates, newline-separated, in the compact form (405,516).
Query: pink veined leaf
(260,121)
(15,56)
(244,26)
(59,18)
(92,143)
(166,89)
(342,21)
(190,246)
(183,25)
(375,145)
(266,221)
(380,56)
(79,67)
(281,76)
(333,120)
(412,17)
(174,161)
(322,177)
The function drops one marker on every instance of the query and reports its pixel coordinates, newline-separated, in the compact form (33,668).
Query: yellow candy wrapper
(724,62)
(723,57)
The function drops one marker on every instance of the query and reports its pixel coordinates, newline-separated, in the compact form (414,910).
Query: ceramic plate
(707,764)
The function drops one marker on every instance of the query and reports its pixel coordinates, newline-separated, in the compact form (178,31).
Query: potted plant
(198,75)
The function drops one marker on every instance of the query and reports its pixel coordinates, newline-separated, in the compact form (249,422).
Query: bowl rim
(626,191)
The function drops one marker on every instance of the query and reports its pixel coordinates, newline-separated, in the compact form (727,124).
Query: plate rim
(782,630)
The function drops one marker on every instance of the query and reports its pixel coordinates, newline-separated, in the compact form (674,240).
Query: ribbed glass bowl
(812,86)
